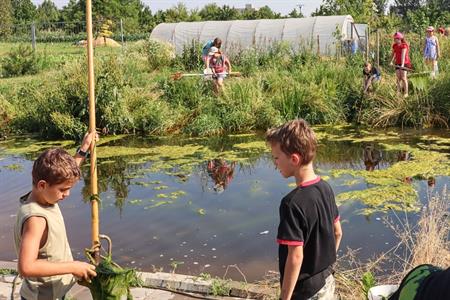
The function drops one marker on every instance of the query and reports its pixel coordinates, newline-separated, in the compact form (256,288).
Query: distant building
(246,8)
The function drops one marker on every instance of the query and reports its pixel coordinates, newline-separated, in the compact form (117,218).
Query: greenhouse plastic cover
(315,32)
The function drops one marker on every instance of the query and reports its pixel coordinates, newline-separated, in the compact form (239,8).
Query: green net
(112,281)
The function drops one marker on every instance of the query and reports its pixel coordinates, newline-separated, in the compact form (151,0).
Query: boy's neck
(35,196)
(304,174)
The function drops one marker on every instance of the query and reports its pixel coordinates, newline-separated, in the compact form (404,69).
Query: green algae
(31,146)
(161,187)
(135,201)
(157,204)
(13,167)
(391,188)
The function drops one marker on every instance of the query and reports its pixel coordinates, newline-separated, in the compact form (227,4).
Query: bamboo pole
(91,84)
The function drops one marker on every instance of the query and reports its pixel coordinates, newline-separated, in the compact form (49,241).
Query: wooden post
(121,30)
(91,83)
(378,48)
(33,36)
(318,45)
(367,43)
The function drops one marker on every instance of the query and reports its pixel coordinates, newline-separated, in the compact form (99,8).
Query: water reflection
(221,172)
(403,155)
(372,157)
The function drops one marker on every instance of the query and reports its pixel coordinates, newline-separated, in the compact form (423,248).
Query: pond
(202,204)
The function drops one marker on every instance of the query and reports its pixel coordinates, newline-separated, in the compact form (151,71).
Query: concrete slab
(154,285)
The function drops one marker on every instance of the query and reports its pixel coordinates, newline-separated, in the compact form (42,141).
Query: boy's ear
(41,184)
(296,158)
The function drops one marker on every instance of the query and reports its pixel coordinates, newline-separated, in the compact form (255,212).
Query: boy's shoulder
(302,196)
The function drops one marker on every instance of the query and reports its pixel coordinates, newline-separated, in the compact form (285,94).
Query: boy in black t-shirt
(309,232)
(371,75)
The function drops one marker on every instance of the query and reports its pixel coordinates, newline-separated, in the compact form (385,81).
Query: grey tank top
(56,249)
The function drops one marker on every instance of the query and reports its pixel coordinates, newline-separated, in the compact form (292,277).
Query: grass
(135,93)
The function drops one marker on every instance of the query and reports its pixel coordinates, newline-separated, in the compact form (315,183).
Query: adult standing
(400,54)
(431,51)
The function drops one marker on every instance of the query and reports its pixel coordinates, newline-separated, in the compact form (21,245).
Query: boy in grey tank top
(45,259)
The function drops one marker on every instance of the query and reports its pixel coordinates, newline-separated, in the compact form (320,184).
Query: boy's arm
(337,233)
(291,271)
(34,229)
(85,146)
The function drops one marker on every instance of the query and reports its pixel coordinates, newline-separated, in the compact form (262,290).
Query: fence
(55,32)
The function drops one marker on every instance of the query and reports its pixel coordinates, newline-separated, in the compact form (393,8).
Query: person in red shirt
(400,54)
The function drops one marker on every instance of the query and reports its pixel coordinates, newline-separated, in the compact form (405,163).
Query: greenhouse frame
(317,33)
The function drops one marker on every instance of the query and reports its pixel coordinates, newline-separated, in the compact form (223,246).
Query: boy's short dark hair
(294,137)
(55,166)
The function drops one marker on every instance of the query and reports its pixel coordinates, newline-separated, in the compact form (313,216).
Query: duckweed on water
(14,167)
(390,188)
(161,187)
(158,204)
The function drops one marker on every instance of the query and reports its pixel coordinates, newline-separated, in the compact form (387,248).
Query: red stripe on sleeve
(337,219)
(289,243)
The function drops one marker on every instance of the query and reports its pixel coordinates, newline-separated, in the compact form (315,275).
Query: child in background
(371,74)
(400,54)
(45,258)
(309,231)
(431,51)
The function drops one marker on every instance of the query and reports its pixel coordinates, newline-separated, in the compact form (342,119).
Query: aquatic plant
(112,282)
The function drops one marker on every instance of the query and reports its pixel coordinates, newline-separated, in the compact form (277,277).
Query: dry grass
(426,242)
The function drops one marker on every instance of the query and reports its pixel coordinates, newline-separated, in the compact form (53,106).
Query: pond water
(200,205)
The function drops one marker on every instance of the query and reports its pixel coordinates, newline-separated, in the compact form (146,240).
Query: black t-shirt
(373,71)
(307,217)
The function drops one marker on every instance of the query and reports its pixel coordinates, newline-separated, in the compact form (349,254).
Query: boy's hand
(87,140)
(83,270)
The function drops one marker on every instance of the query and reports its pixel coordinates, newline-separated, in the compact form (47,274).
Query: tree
(146,20)
(228,13)
(47,12)
(403,6)
(177,13)
(361,10)
(266,12)
(6,17)
(381,6)
(296,14)
(24,11)
(209,12)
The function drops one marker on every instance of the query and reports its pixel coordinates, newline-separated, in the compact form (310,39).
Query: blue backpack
(206,47)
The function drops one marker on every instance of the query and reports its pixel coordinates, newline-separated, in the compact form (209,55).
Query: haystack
(101,41)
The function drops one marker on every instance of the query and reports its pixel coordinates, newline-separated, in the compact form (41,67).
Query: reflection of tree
(111,174)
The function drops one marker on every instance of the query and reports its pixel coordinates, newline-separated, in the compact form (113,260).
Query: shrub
(20,61)
(67,126)
(6,115)
(159,54)
(150,115)
(204,125)
(191,57)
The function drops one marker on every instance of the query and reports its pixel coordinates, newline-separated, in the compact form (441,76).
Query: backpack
(218,64)
(206,47)
(414,284)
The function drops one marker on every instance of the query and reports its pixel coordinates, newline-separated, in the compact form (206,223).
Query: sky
(282,6)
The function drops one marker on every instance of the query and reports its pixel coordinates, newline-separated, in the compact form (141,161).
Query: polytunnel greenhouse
(319,33)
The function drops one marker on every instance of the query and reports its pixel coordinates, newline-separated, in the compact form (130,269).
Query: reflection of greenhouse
(315,33)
